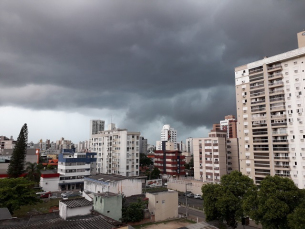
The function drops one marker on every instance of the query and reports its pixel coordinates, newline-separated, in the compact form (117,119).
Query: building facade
(167,134)
(118,151)
(73,167)
(170,162)
(270,108)
(96,126)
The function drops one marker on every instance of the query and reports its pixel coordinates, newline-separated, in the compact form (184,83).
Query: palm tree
(33,171)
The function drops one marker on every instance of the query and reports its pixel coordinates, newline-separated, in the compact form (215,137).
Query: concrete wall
(163,205)
(65,212)
(49,184)
(128,187)
(179,185)
(110,206)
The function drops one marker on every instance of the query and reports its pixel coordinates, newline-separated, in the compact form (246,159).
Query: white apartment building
(118,151)
(73,167)
(96,126)
(167,134)
(271,117)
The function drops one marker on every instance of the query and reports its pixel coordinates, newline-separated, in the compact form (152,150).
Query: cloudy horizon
(141,64)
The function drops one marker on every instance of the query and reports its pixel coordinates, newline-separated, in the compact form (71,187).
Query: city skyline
(140,64)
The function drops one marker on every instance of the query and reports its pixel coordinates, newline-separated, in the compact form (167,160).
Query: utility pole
(186,199)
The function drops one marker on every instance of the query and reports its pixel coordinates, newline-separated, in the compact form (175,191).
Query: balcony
(255,71)
(274,68)
(259,101)
(258,109)
(254,86)
(276,92)
(277,108)
(259,117)
(278,116)
(276,84)
(260,133)
(256,78)
(275,76)
(254,94)
(279,124)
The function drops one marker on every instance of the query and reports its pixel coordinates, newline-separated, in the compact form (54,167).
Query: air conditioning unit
(249,173)
(247,157)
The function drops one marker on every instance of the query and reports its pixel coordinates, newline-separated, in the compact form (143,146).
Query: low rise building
(163,205)
(49,180)
(118,184)
(74,207)
(108,204)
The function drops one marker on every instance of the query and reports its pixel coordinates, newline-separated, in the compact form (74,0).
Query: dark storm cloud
(155,59)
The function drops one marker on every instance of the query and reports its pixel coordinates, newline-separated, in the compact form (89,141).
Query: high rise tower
(270,112)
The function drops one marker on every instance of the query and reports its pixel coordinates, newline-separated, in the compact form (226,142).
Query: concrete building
(108,204)
(7,143)
(189,145)
(167,134)
(118,151)
(163,205)
(49,180)
(74,207)
(270,108)
(210,156)
(143,145)
(73,167)
(102,183)
(229,124)
(5,157)
(170,162)
(96,126)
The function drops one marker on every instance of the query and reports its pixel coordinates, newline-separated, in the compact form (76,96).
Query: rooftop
(112,177)
(52,220)
(75,203)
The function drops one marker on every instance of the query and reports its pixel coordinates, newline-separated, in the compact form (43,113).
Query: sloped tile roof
(75,203)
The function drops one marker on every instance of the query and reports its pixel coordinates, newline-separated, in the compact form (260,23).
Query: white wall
(49,184)
(128,187)
(65,212)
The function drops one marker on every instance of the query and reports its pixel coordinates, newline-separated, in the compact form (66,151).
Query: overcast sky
(142,63)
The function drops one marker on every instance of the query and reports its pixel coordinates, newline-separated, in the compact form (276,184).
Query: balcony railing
(260,133)
(278,108)
(256,86)
(275,75)
(274,67)
(279,124)
(278,116)
(276,91)
(260,101)
(252,71)
(257,94)
(279,83)
(258,117)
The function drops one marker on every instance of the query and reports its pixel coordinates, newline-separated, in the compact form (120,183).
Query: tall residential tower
(270,108)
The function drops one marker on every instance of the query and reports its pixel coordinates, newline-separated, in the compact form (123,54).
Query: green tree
(224,201)
(33,171)
(16,192)
(134,211)
(16,166)
(296,219)
(276,198)
(210,193)
(155,173)
(144,160)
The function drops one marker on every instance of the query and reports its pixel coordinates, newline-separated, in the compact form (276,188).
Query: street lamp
(186,198)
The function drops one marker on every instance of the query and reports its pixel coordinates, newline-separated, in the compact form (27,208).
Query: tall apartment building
(96,126)
(143,145)
(229,124)
(167,134)
(216,155)
(270,108)
(210,156)
(117,151)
